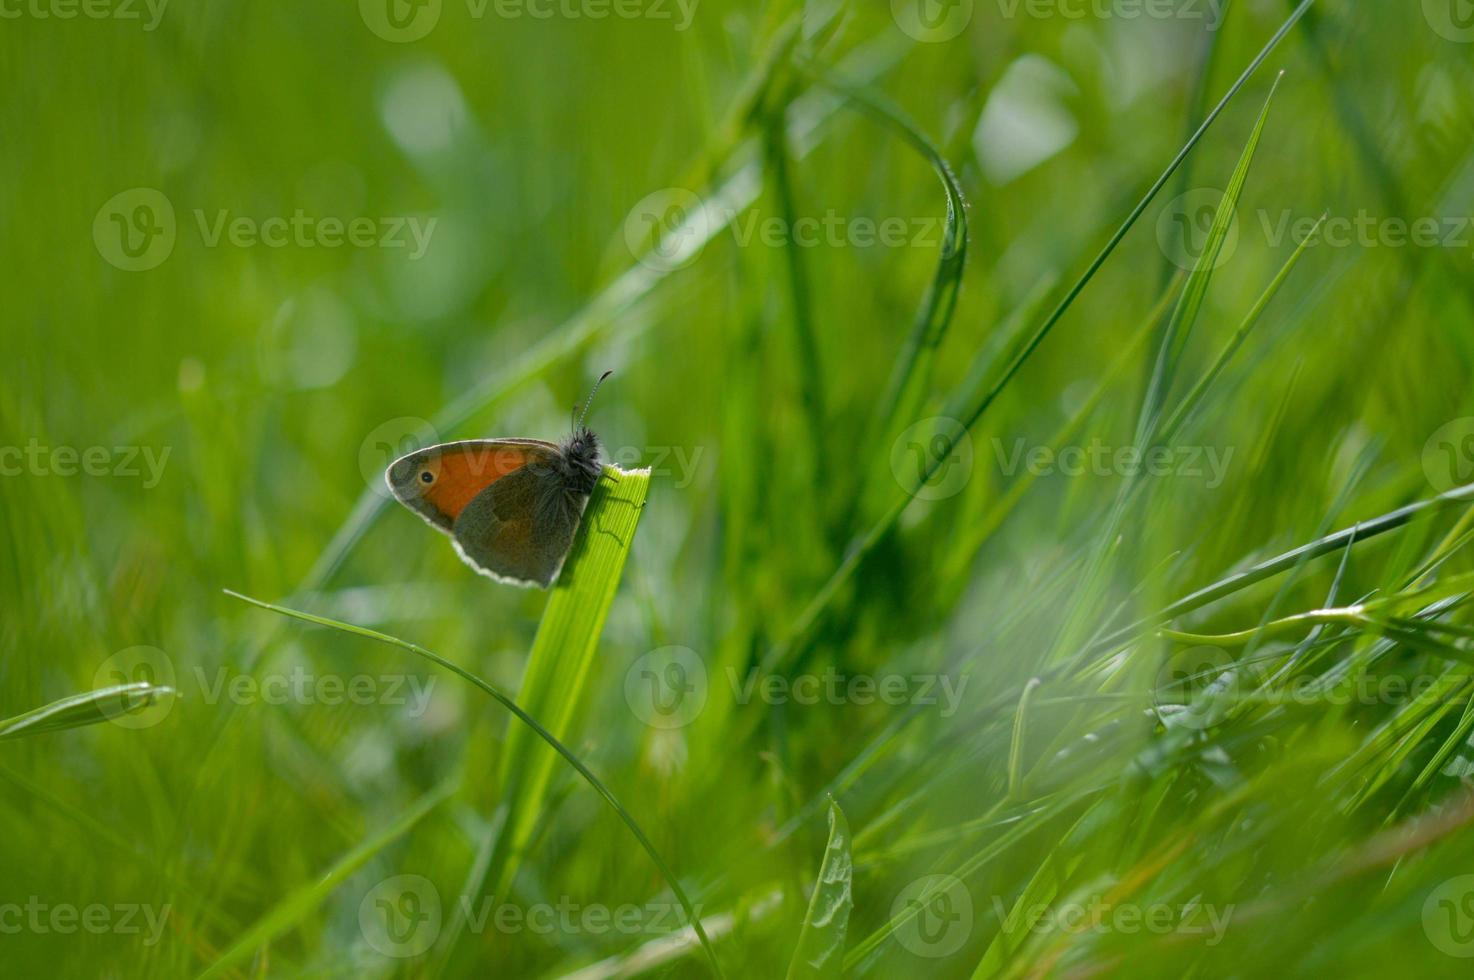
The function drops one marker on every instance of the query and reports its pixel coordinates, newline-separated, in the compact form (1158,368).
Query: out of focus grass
(1115,740)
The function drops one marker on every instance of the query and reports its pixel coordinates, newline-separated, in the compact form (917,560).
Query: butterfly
(510,506)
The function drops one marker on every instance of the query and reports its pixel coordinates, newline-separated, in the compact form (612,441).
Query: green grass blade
(301,903)
(1020,734)
(972,538)
(866,544)
(1324,545)
(1174,338)
(1014,930)
(87,708)
(1195,293)
(506,701)
(912,372)
(1194,397)
(556,676)
(820,950)
(778,155)
(569,630)
(615,300)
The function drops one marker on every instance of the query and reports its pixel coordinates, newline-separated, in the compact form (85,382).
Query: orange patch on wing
(461,474)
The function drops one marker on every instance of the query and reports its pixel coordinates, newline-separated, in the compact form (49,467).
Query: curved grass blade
(1361,532)
(778,156)
(1206,61)
(1020,733)
(558,666)
(507,702)
(1078,623)
(820,950)
(615,300)
(1191,400)
(1195,293)
(955,875)
(87,708)
(973,537)
(912,373)
(303,901)
(862,547)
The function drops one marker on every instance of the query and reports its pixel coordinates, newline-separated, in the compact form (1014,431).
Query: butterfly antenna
(588,400)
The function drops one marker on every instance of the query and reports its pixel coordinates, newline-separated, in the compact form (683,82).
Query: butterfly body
(510,506)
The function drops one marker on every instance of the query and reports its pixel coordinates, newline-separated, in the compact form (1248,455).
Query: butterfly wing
(520,528)
(439,482)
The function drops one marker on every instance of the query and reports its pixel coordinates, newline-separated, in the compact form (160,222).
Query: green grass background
(1324,827)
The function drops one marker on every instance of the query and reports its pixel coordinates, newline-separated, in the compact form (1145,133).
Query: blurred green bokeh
(253,250)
